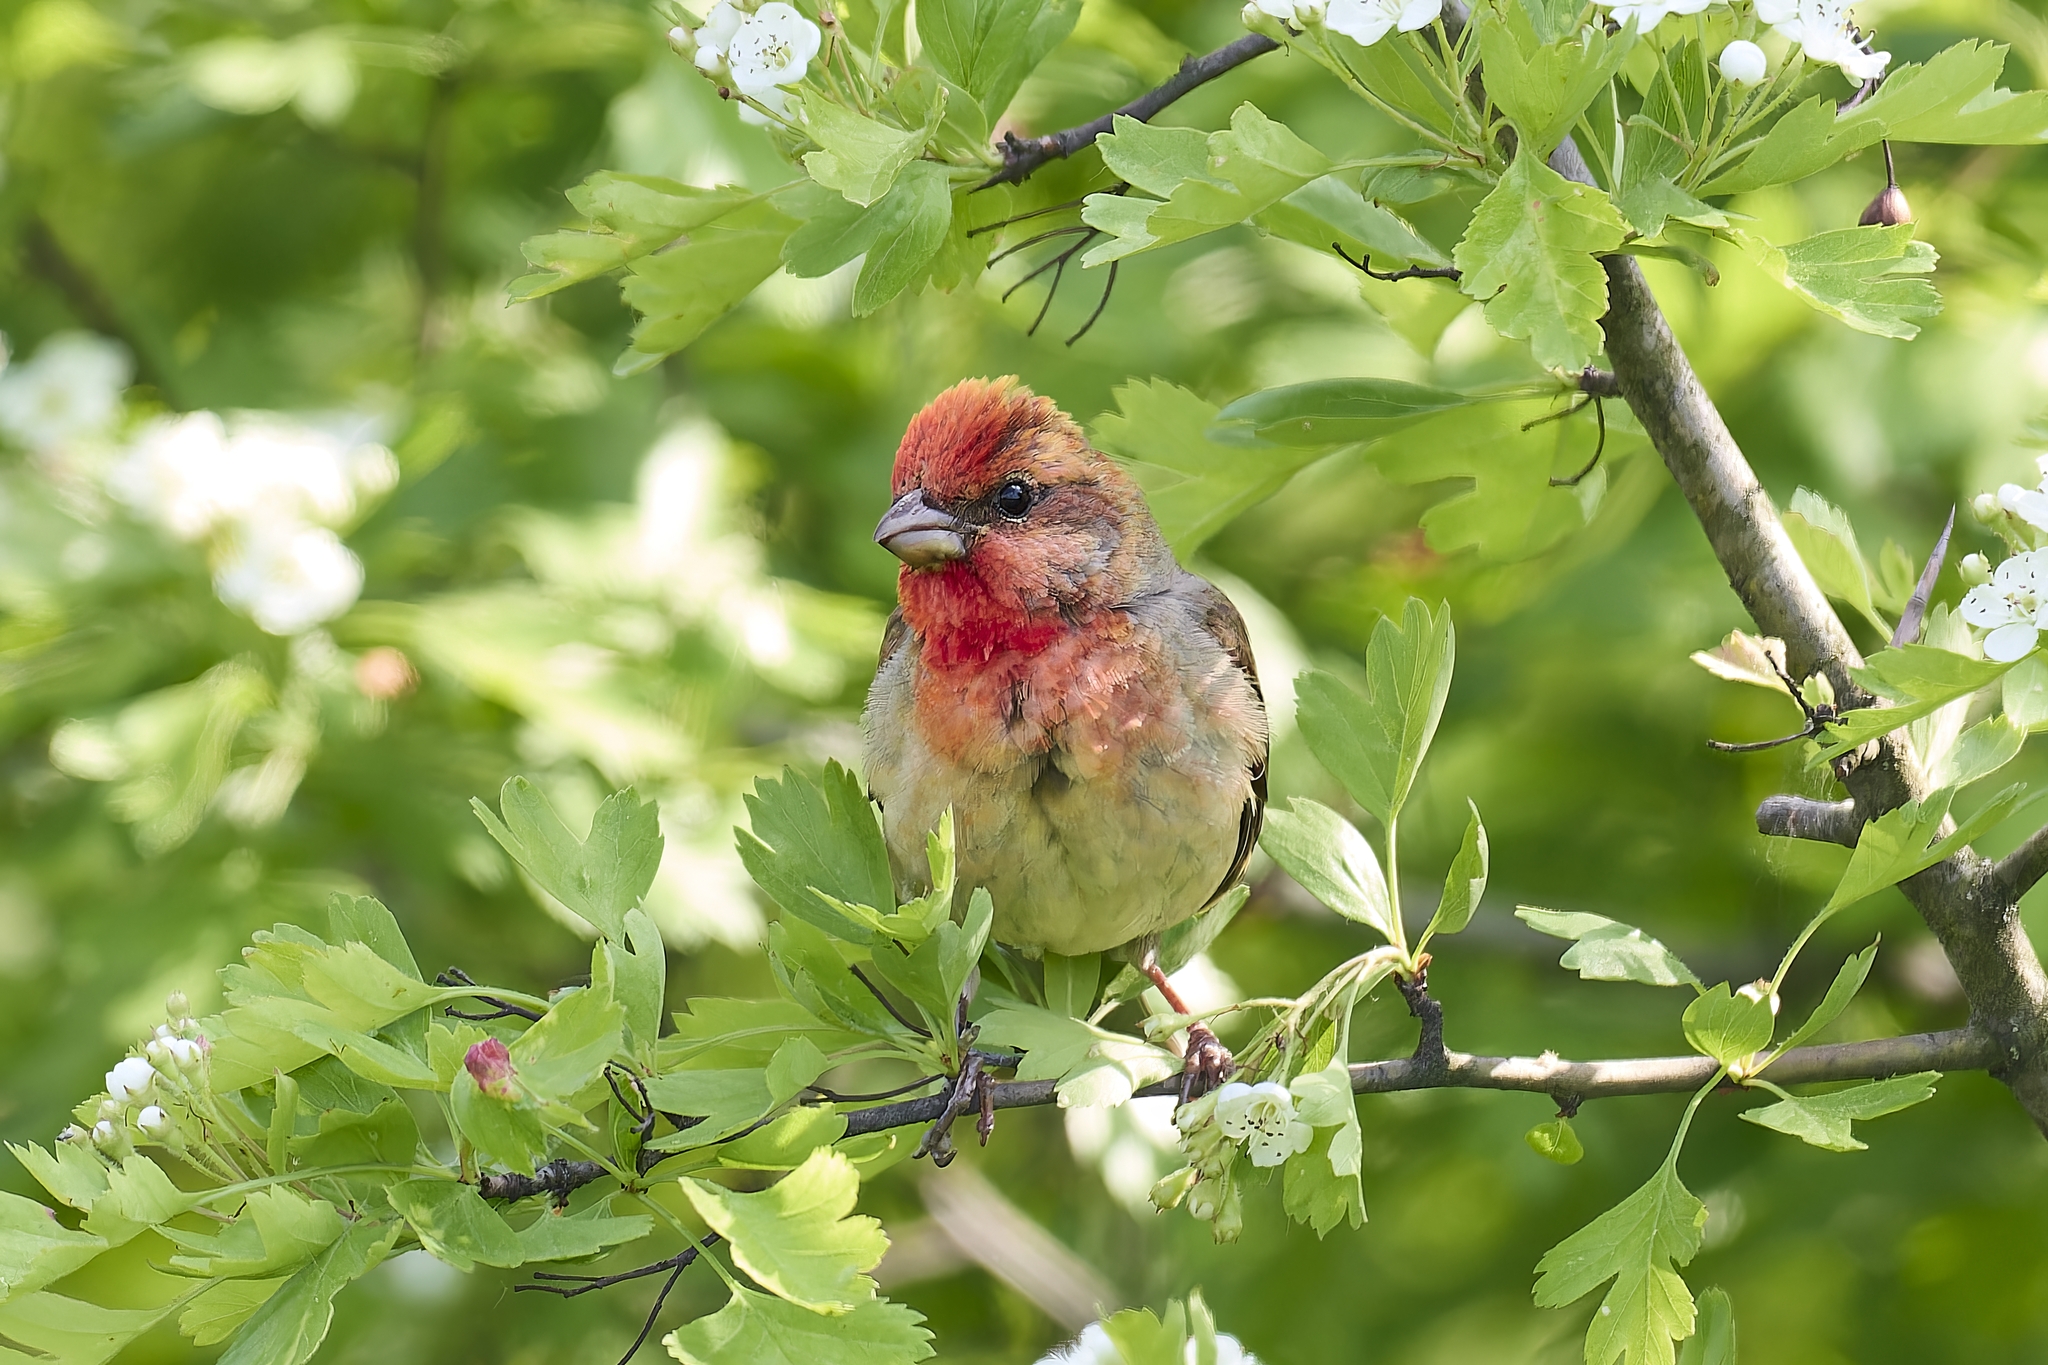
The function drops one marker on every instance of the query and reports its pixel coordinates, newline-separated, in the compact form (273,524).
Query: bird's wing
(893,636)
(1221,620)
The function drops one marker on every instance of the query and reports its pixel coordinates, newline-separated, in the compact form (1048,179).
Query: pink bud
(491,1066)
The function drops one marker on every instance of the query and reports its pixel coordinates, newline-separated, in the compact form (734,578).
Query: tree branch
(1963,1049)
(1971,908)
(2018,870)
(1023,156)
(1802,817)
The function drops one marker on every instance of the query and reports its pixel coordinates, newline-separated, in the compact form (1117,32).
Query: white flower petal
(2008,643)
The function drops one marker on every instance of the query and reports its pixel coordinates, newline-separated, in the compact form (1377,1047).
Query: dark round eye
(1013,499)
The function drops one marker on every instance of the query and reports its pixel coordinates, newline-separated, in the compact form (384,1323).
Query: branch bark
(1023,156)
(1802,817)
(1962,1049)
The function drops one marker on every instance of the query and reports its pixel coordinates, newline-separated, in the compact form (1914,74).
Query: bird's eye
(1013,499)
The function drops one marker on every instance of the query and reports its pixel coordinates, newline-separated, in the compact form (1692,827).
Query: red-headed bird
(1087,707)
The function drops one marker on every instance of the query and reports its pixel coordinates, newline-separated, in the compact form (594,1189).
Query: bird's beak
(920,534)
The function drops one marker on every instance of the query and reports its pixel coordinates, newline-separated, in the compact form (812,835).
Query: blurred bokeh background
(306,539)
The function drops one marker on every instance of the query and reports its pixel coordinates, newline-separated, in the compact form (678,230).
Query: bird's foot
(1208,1064)
(973,1089)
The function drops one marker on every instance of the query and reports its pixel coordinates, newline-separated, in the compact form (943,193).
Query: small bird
(1088,708)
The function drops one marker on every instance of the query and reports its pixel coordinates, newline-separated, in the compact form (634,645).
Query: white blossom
(71,388)
(1823,30)
(1262,1117)
(773,46)
(716,36)
(1229,1351)
(195,473)
(288,578)
(153,1119)
(2010,606)
(1650,13)
(1744,63)
(1092,1347)
(1367,21)
(2028,504)
(130,1077)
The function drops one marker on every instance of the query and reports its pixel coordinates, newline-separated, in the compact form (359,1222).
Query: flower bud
(1743,63)
(682,42)
(112,1111)
(153,1120)
(176,1005)
(71,1132)
(1985,507)
(185,1053)
(1229,1221)
(130,1077)
(1309,13)
(1756,992)
(489,1063)
(112,1140)
(1975,569)
(1172,1189)
(1889,209)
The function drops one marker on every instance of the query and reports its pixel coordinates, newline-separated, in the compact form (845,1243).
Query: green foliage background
(298,250)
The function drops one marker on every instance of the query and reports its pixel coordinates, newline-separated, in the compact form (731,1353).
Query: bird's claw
(973,1089)
(1208,1064)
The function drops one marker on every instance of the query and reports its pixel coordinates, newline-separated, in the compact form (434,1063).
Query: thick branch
(1023,156)
(1802,817)
(1972,910)
(1956,1050)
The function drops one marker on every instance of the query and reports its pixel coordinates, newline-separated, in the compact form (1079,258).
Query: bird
(1087,708)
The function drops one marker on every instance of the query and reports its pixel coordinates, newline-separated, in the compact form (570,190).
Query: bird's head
(1004,512)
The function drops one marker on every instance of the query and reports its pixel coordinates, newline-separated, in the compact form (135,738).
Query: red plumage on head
(973,434)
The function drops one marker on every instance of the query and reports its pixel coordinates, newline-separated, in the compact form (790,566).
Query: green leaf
(698,279)
(1194,484)
(800,1237)
(507,1131)
(599,877)
(1731,1026)
(2023,693)
(1608,950)
(50,1329)
(1465,883)
(1246,168)
(1375,744)
(987,47)
(759,1329)
(1714,1341)
(454,1223)
(860,156)
(909,225)
(363,919)
(633,215)
(635,973)
(1529,253)
(1093,1066)
(935,973)
(290,1325)
(720,1031)
(1329,857)
(278,1229)
(1321,1186)
(1635,1244)
(138,1196)
(1331,208)
(387,1134)
(724,1102)
(1869,277)
(1556,1141)
(1649,204)
(568,1048)
(1896,845)
(786,1143)
(219,1311)
(70,1173)
(1919,679)
(1330,412)
(1841,991)
(1978,752)
(1821,532)
(806,837)
(1823,1120)
(1544,85)
(37,1250)
(1070,983)
(1139,1338)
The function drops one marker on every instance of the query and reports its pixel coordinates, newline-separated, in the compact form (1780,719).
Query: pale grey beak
(920,534)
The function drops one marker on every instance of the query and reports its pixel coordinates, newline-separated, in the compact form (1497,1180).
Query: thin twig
(1023,156)
(1108,287)
(500,1009)
(1413,272)
(887,1003)
(837,1098)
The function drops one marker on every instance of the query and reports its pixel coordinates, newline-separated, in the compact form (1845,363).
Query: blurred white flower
(1092,1347)
(192,474)
(71,388)
(774,46)
(1825,33)
(130,1077)
(1650,13)
(1262,1117)
(2010,606)
(1743,62)
(288,577)
(776,102)
(716,36)
(2028,504)
(1368,21)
